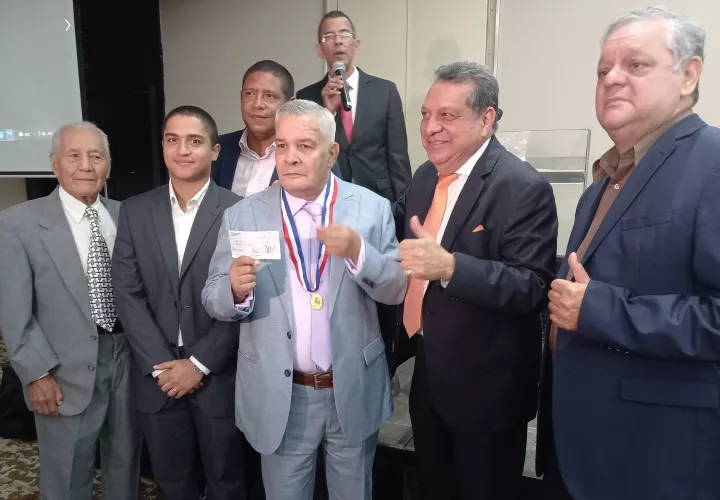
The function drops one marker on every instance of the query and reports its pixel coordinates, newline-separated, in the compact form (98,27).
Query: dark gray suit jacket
(154,301)
(377,158)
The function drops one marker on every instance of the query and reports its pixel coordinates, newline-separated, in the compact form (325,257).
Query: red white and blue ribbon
(292,238)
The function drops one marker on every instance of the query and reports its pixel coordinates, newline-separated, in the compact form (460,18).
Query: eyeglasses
(342,37)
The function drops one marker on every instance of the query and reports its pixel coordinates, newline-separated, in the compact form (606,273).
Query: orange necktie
(412,312)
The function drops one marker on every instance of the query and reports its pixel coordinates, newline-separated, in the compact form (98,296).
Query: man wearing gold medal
(312,373)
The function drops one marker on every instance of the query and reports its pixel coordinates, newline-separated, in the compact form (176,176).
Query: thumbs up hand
(423,258)
(566,296)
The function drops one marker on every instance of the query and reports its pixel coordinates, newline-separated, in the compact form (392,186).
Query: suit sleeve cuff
(356,267)
(42,376)
(201,366)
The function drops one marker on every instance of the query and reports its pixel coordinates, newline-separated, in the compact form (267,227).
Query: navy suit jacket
(223,169)
(635,395)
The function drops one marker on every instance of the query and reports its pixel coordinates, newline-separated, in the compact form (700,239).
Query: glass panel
(562,157)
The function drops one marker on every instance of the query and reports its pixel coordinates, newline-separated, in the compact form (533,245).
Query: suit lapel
(208,212)
(230,160)
(112,208)
(266,211)
(470,193)
(363,101)
(165,232)
(61,247)
(347,212)
(422,191)
(637,180)
(584,218)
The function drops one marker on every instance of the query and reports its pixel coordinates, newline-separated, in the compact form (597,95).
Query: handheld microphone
(338,68)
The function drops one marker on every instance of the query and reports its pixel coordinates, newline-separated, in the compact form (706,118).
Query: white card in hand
(260,245)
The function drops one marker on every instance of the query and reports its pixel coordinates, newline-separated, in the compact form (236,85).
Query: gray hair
(57,136)
(685,38)
(486,91)
(322,116)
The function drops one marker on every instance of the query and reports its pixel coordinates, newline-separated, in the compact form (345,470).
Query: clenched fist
(341,241)
(242,277)
(331,94)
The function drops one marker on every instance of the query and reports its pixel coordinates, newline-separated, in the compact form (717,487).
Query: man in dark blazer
(372,137)
(183,360)
(635,309)
(246,163)
(479,229)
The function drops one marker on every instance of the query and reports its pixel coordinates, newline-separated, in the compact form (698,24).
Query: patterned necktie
(320,351)
(412,310)
(102,300)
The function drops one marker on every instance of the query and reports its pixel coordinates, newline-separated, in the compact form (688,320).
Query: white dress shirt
(353,82)
(182,224)
(80,225)
(253,172)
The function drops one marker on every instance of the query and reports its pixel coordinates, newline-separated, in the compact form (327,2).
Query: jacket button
(173,345)
(287,373)
(91,368)
(289,335)
(93,337)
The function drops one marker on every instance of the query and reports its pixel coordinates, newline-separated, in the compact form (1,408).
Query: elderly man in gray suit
(58,318)
(311,367)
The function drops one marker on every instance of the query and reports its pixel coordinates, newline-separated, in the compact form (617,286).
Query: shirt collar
(468,166)
(75,207)
(245,149)
(296,204)
(616,166)
(194,201)
(644,144)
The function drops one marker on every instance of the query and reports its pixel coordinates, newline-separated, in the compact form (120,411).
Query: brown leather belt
(316,380)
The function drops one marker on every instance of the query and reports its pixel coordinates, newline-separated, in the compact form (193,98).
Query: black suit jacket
(377,157)
(483,332)
(154,300)
(223,169)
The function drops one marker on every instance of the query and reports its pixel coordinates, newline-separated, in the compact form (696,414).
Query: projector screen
(39,82)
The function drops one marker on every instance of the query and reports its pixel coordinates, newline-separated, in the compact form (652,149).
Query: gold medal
(316,301)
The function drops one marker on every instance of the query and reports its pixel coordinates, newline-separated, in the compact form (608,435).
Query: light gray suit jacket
(44,305)
(267,330)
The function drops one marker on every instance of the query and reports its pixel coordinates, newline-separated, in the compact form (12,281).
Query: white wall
(12,192)
(406,40)
(208,45)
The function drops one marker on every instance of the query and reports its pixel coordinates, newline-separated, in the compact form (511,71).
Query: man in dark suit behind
(246,163)
(480,267)
(635,309)
(184,361)
(372,136)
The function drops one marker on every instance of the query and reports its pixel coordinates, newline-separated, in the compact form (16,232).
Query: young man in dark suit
(246,163)
(184,361)
(372,136)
